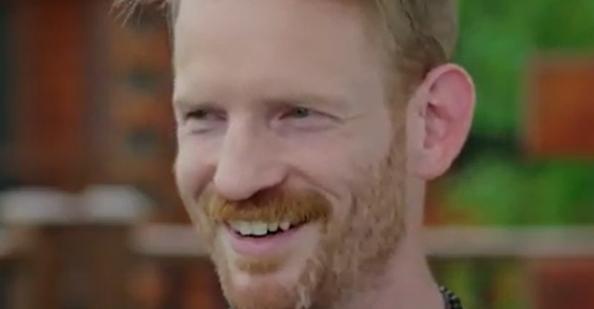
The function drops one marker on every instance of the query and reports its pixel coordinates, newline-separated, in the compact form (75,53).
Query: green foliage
(498,37)
(502,192)
(497,40)
(490,191)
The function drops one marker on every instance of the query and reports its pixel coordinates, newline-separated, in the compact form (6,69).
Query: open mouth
(259,238)
(259,229)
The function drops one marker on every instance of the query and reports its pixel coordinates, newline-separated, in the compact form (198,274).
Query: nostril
(234,186)
(245,180)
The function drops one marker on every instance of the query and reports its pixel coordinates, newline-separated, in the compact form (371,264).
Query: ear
(439,119)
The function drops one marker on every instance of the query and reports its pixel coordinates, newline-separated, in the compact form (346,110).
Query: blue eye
(299,112)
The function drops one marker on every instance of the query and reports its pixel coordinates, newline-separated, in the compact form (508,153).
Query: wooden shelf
(167,240)
(525,242)
(178,240)
(446,242)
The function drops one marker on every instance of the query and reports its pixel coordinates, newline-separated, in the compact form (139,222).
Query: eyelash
(298,112)
(295,112)
(195,114)
(201,114)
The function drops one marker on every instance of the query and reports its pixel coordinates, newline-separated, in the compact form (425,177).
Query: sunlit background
(89,216)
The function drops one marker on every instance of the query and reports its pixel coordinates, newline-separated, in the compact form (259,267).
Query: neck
(407,283)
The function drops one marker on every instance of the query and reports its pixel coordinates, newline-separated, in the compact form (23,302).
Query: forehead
(264,43)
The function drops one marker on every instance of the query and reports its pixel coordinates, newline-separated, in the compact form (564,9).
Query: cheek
(355,183)
(335,175)
(191,173)
(192,180)
(339,165)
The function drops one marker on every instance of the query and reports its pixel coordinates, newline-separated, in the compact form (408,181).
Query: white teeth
(273,227)
(245,228)
(258,228)
(235,225)
(285,225)
(242,227)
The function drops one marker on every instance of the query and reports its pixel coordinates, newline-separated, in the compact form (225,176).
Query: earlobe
(448,109)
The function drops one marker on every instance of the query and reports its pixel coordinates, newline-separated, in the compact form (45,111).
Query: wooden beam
(559,116)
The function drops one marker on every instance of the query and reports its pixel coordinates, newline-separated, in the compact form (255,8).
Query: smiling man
(307,130)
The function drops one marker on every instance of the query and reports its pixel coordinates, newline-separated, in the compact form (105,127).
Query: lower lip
(258,246)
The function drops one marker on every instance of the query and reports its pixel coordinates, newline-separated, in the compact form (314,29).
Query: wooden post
(50,42)
(560,111)
(79,266)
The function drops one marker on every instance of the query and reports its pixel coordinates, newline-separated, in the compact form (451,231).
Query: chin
(248,291)
(283,279)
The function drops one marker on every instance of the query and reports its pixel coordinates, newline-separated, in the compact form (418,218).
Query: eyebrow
(329,101)
(332,102)
(189,105)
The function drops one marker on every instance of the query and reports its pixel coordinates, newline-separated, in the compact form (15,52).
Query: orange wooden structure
(559,115)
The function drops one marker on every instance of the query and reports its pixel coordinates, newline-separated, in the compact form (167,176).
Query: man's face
(289,161)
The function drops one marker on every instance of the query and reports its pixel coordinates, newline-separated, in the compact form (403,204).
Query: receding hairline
(444,30)
(417,35)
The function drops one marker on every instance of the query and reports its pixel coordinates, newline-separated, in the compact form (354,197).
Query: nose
(246,165)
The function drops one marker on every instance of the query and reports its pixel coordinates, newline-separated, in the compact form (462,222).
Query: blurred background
(89,216)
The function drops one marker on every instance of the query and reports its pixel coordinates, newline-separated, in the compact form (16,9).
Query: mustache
(273,205)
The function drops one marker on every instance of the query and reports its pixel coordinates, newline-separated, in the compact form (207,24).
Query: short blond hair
(419,35)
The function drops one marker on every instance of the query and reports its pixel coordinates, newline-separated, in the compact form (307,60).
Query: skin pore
(283,115)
